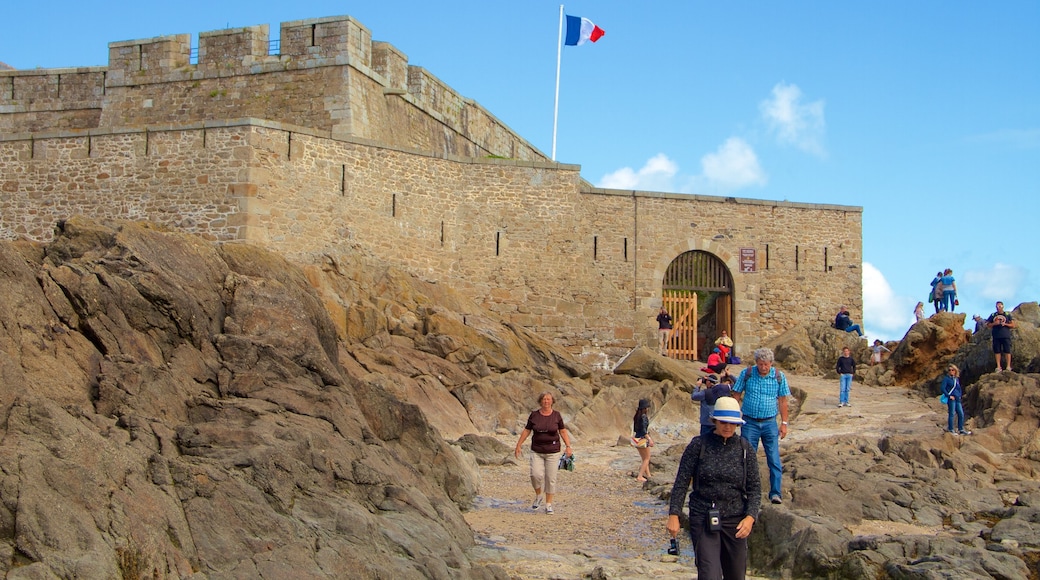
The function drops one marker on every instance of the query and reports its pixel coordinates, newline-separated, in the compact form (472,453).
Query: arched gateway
(697,291)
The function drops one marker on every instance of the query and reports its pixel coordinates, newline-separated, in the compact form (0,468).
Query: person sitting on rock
(844,322)
(716,362)
(725,344)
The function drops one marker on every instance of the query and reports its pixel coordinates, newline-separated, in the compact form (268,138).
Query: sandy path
(603,513)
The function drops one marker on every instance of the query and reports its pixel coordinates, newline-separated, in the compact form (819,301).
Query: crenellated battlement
(327,74)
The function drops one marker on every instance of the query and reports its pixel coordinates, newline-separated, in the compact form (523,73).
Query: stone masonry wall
(528,240)
(329,76)
(191,179)
(336,141)
(51,99)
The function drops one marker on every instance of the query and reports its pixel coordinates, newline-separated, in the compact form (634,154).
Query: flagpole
(556,103)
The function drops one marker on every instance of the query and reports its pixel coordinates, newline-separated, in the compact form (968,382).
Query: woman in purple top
(548,430)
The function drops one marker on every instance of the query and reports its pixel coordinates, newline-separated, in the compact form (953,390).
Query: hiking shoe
(776,499)
(537,503)
(548,508)
(963,432)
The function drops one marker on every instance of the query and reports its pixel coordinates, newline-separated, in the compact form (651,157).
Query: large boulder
(813,348)
(646,363)
(173,407)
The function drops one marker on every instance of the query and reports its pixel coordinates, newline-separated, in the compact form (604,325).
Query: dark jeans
(719,555)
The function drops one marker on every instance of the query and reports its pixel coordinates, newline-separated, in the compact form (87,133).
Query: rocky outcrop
(813,348)
(920,359)
(176,408)
(912,502)
(645,363)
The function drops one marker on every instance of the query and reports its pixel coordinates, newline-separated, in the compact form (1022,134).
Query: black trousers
(719,555)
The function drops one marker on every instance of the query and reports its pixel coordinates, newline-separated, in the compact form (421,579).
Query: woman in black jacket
(726,496)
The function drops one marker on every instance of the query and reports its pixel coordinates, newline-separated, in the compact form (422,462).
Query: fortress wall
(524,239)
(189,179)
(51,99)
(329,75)
(782,292)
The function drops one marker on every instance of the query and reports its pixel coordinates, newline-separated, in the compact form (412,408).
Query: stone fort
(334,141)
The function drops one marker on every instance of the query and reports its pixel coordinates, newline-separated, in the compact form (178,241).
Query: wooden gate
(682,342)
(689,275)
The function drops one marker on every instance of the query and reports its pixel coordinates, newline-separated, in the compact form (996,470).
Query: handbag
(640,442)
(944,399)
(566,463)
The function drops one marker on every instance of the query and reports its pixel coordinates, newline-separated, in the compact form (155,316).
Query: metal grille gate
(691,273)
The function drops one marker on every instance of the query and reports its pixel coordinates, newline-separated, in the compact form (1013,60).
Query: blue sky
(925,113)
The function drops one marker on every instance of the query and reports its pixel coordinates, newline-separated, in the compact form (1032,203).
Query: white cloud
(794,122)
(655,175)
(732,166)
(1001,282)
(887,315)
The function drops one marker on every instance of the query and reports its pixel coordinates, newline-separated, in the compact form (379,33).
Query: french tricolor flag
(581,30)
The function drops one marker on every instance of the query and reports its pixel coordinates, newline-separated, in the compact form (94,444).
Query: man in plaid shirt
(763,391)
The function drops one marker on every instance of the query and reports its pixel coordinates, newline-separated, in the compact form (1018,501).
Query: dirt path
(603,517)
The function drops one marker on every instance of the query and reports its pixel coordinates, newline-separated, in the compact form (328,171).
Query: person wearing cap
(762,391)
(723,472)
(707,391)
(641,439)
(716,362)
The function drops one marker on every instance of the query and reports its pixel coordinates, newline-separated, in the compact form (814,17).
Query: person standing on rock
(547,426)
(846,367)
(875,355)
(664,329)
(763,391)
(937,291)
(641,438)
(949,291)
(951,387)
(1001,324)
(919,312)
(726,496)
